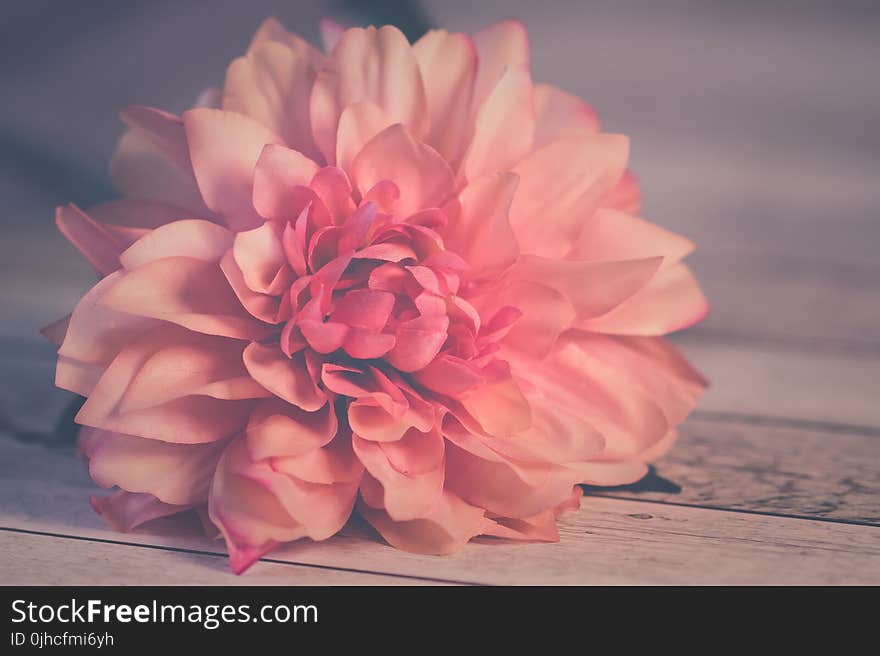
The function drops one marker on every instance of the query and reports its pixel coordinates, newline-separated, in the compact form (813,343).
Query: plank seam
(202,552)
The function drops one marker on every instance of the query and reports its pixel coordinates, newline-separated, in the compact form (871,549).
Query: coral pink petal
(358,124)
(405,496)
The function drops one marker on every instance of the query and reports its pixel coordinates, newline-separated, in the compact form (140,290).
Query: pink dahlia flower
(398,279)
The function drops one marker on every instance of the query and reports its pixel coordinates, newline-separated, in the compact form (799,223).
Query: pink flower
(398,278)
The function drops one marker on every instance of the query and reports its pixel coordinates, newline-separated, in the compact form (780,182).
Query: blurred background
(754,128)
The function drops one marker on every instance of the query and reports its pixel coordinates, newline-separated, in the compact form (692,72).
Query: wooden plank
(607,541)
(764,379)
(759,467)
(29,559)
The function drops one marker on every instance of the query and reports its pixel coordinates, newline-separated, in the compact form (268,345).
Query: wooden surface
(754,132)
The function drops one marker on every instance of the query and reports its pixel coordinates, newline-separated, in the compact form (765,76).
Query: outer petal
(153,165)
(374,65)
(449,63)
(193,238)
(99,246)
(278,429)
(559,114)
(671,301)
(503,128)
(500,47)
(446,529)
(272,84)
(177,474)
(191,407)
(224,147)
(125,511)
(593,288)
(560,187)
(615,235)
(186,291)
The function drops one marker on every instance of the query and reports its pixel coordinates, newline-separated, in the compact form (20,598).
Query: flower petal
(563,184)
(277,174)
(423,177)
(287,378)
(224,147)
(370,64)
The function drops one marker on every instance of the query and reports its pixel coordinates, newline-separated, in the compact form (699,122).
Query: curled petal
(287,378)
(449,525)
(423,177)
(125,511)
(194,238)
(177,474)
(278,175)
(279,429)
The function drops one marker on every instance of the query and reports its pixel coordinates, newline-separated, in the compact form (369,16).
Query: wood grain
(29,559)
(761,467)
(607,541)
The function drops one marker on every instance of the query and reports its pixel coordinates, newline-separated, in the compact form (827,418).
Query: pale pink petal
(615,235)
(423,177)
(358,124)
(448,62)
(261,306)
(260,256)
(331,32)
(370,64)
(178,474)
(561,185)
(593,288)
(503,128)
(481,233)
(278,173)
(671,301)
(224,147)
(499,406)
(500,47)
(559,114)
(194,238)
(186,291)
(271,84)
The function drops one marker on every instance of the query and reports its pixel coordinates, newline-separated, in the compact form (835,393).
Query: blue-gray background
(754,128)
